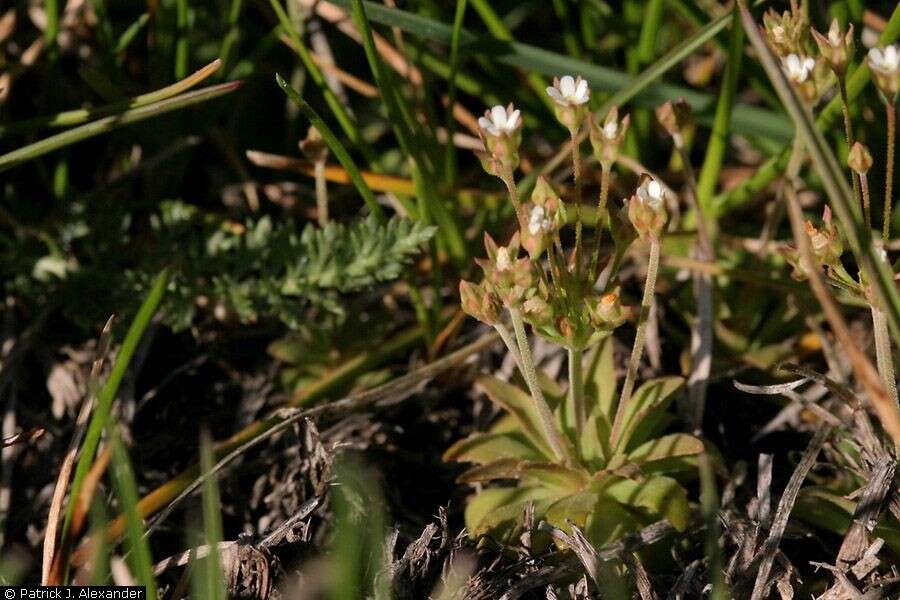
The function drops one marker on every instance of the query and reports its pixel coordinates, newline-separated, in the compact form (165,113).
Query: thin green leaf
(833,180)
(95,128)
(335,145)
(207,579)
(137,548)
(82,115)
(482,448)
(107,394)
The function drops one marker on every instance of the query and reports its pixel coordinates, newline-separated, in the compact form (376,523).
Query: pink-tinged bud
(859,159)
(479,303)
(646,208)
(313,145)
(676,118)
(836,48)
(541,218)
(606,312)
(607,139)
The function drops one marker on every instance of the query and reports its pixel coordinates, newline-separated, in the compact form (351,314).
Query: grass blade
(83,115)
(137,548)
(334,144)
(832,177)
(108,393)
(95,128)
(206,577)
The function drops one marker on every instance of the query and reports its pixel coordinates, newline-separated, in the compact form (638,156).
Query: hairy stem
(866,200)
(576,172)
(638,350)
(321,193)
(557,444)
(889,172)
(848,133)
(598,227)
(883,357)
(576,393)
(510,343)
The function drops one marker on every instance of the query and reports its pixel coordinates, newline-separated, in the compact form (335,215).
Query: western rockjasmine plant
(571,441)
(885,66)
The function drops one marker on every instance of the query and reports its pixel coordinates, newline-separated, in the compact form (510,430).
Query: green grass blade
(130,34)
(207,579)
(138,550)
(83,115)
(335,145)
(833,179)
(106,124)
(718,140)
(108,392)
(450,156)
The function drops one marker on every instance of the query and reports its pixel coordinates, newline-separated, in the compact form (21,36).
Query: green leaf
(493,507)
(647,410)
(661,496)
(521,406)
(554,476)
(482,448)
(666,453)
(334,145)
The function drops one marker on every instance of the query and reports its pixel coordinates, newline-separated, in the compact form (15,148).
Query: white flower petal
(498,116)
(655,189)
(567,86)
(554,93)
(512,121)
(581,92)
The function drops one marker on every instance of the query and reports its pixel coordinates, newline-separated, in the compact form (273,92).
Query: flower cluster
(885,66)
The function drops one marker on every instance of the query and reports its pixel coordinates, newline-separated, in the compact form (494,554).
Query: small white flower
(569,91)
(834,34)
(611,130)
(798,68)
(500,121)
(539,222)
(885,60)
(503,261)
(651,193)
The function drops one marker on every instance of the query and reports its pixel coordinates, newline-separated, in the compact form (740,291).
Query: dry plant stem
(702,332)
(883,355)
(598,228)
(528,371)
(576,392)
(889,171)
(321,194)
(638,349)
(866,375)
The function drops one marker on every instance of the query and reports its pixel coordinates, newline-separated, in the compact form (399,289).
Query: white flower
(503,261)
(569,91)
(611,130)
(885,60)
(500,121)
(539,222)
(798,68)
(651,193)
(834,34)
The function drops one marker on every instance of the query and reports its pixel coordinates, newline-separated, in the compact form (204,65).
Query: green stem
(889,171)
(576,393)
(866,200)
(557,444)
(637,350)
(510,343)
(598,227)
(576,172)
(848,133)
(883,355)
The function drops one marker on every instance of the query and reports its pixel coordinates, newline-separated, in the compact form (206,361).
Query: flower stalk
(576,391)
(889,171)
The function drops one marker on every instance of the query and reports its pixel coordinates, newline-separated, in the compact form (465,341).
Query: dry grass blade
(856,540)
(766,554)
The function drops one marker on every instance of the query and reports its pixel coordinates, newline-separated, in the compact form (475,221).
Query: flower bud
(570,97)
(313,145)
(676,118)
(606,140)
(836,48)
(826,243)
(479,303)
(646,208)
(859,159)
(885,66)
(785,32)
(501,132)
(606,311)
(541,218)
